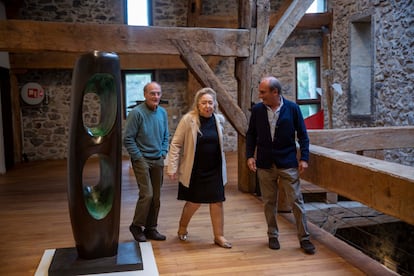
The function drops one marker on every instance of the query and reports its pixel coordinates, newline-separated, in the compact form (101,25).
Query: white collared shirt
(273,116)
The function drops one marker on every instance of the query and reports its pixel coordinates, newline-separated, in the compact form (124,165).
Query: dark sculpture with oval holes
(95,207)
(95,137)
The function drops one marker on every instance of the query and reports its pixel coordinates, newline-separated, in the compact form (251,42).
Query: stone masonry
(45,127)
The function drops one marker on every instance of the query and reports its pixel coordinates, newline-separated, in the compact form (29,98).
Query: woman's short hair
(202,92)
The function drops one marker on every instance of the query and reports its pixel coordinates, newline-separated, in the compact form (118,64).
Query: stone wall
(393,66)
(300,44)
(98,11)
(45,128)
(169,13)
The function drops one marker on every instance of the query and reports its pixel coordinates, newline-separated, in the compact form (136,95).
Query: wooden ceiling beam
(59,60)
(21,59)
(40,36)
(308,21)
(315,21)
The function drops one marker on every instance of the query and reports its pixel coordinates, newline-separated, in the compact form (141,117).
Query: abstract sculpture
(95,208)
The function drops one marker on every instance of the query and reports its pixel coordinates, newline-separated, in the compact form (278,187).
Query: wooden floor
(34,217)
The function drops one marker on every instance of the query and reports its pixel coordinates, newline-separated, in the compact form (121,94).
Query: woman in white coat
(197,160)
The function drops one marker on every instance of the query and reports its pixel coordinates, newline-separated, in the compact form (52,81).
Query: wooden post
(246,179)
(17,118)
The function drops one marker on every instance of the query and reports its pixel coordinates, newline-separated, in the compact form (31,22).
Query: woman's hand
(172,176)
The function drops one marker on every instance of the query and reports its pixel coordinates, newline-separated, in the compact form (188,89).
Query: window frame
(356,20)
(125,105)
(317,3)
(149,13)
(316,101)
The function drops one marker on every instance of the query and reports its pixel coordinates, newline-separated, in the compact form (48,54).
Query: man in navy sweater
(275,125)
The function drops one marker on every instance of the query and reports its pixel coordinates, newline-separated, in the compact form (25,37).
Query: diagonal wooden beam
(203,73)
(284,27)
(265,47)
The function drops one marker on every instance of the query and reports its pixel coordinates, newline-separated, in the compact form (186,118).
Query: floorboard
(34,217)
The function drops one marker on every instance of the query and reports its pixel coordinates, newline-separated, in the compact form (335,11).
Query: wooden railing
(384,186)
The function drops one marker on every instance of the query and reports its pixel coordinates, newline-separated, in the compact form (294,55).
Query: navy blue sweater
(282,151)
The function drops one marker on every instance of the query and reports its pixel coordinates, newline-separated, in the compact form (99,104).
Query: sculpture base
(66,262)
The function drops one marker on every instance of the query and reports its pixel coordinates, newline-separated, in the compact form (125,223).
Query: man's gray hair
(274,83)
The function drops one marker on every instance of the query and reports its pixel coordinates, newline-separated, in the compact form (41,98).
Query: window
(317,6)
(308,85)
(133,83)
(138,12)
(360,65)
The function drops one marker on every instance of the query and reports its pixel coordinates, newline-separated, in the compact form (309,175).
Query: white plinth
(148,261)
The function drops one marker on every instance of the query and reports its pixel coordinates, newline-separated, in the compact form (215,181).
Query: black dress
(206,182)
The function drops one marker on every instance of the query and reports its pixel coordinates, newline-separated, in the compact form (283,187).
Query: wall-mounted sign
(32,93)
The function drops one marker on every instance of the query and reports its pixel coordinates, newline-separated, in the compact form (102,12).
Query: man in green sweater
(146,140)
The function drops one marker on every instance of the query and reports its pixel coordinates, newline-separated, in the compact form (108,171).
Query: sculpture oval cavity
(98,196)
(102,85)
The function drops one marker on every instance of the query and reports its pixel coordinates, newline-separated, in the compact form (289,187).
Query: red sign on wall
(32,93)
